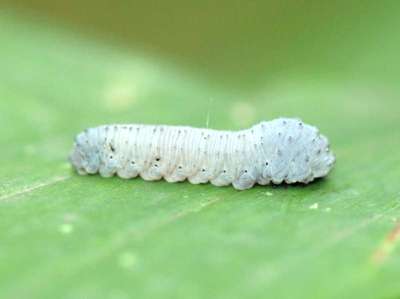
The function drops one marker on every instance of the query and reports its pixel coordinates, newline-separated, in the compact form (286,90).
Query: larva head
(294,151)
(85,155)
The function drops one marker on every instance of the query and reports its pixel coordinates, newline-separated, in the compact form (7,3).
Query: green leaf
(69,236)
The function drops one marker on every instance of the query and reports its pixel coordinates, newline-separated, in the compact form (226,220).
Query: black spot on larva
(266,163)
(133,162)
(300,124)
(112,148)
(111,157)
(203,170)
(245,171)
(179,167)
(157,159)
(155,165)
(224,171)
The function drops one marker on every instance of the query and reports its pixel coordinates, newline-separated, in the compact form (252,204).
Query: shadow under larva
(283,150)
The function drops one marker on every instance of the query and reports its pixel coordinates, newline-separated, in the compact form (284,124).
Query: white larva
(281,150)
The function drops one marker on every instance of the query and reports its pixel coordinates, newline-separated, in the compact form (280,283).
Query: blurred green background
(65,66)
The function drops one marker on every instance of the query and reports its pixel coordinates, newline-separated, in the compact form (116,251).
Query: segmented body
(282,150)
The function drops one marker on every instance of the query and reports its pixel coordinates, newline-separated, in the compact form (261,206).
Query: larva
(281,150)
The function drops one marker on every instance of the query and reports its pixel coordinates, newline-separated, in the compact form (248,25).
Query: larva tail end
(76,160)
(84,156)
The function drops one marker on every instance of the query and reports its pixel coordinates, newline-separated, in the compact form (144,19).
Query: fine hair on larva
(282,150)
